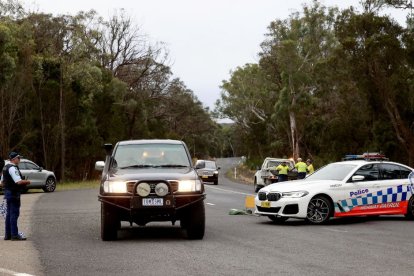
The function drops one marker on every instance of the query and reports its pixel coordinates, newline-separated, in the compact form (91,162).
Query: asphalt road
(65,230)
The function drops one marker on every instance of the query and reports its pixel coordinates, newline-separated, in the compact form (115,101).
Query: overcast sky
(206,38)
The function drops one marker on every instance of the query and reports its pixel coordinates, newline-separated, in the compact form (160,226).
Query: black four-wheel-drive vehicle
(150,180)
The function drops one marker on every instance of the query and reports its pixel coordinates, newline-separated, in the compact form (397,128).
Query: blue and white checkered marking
(394,194)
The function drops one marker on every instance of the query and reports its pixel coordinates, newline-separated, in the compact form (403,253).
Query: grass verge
(77,185)
(243,174)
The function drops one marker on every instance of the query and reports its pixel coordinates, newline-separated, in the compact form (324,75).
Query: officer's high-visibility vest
(301,166)
(283,169)
(310,169)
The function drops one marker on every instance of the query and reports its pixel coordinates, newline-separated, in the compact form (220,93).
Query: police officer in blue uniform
(12,180)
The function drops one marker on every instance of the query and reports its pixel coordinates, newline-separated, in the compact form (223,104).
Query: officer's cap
(13,155)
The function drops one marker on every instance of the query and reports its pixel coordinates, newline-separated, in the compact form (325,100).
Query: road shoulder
(18,257)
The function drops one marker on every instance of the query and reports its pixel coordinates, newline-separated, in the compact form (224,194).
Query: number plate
(265,204)
(152,202)
(205,176)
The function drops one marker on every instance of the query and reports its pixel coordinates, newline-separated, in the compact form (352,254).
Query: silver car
(39,177)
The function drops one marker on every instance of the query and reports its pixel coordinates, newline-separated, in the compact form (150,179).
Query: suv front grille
(172,186)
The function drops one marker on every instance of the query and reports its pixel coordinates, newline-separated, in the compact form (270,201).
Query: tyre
(194,221)
(215,182)
(50,185)
(277,219)
(410,209)
(320,210)
(109,222)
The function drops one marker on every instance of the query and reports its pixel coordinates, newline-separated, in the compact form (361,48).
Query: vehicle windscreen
(151,155)
(275,163)
(332,172)
(210,165)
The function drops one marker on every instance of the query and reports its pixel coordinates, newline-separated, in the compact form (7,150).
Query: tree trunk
(294,135)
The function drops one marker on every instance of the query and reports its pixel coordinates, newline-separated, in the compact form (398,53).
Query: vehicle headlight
(215,172)
(161,189)
(143,189)
(189,185)
(295,194)
(114,187)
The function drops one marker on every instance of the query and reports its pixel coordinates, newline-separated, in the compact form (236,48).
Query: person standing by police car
(283,170)
(301,167)
(12,180)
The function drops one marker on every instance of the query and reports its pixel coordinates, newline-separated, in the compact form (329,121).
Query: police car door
(363,185)
(394,187)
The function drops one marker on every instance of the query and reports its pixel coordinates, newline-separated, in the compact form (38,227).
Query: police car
(347,188)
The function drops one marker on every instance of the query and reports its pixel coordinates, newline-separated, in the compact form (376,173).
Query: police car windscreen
(332,172)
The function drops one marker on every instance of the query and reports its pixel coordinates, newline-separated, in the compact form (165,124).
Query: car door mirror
(40,169)
(99,165)
(218,168)
(357,178)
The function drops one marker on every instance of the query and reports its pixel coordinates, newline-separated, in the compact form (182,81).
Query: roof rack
(368,156)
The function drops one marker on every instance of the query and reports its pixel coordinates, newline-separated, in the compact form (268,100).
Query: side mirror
(218,168)
(99,165)
(357,178)
(40,169)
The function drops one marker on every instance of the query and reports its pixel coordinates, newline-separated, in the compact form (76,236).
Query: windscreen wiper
(173,166)
(137,166)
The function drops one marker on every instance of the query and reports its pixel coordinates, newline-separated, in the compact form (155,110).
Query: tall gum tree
(379,52)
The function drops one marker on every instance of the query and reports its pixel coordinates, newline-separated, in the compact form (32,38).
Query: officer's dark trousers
(13,212)
(301,175)
(282,177)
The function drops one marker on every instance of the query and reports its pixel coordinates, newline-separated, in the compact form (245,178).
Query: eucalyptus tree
(379,53)
(293,53)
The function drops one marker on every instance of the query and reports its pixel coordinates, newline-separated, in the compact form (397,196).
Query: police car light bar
(369,156)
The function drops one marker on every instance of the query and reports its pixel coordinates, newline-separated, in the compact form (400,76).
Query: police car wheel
(410,209)
(319,211)
(109,222)
(277,219)
(50,185)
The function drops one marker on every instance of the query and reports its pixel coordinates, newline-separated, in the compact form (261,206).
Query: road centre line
(212,204)
(14,273)
(228,191)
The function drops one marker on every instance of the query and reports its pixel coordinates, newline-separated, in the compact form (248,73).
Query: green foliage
(71,83)
(338,82)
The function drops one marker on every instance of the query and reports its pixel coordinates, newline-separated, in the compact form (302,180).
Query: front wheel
(277,219)
(410,209)
(319,211)
(109,222)
(194,221)
(50,185)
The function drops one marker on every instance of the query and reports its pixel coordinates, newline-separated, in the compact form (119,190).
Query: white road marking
(228,191)
(212,204)
(335,230)
(14,273)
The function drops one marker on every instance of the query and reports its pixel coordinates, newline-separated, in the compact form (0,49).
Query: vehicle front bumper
(134,202)
(209,178)
(284,207)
